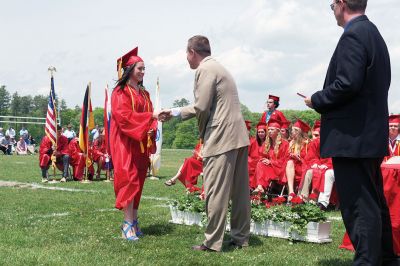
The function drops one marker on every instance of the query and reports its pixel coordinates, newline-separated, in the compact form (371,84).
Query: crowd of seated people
(10,143)
(68,153)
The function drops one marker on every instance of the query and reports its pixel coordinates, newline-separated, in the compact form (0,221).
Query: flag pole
(107,160)
(52,69)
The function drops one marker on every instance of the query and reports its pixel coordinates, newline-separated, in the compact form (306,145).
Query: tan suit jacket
(217,108)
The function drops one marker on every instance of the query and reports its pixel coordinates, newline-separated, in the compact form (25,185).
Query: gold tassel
(120,69)
(149,142)
(141,147)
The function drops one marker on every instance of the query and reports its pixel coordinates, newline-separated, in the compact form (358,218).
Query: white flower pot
(316,232)
(319,232)
(259,228)
(277,229)
(180,217)
(197,217)
(174,214)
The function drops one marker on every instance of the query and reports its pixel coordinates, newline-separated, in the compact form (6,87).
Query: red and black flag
(87,121)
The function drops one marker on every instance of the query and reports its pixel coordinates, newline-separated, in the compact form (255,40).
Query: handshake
(163,115)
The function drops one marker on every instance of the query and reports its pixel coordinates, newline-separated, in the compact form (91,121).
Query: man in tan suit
(225,138)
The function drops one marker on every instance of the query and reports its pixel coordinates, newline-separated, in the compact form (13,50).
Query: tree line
(177,134)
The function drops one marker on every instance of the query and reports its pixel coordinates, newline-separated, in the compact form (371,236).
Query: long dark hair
(125,77)
(260,141)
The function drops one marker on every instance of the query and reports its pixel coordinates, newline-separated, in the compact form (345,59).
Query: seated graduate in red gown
(99,152)
(61,155)
(391,186)
(255,151)
(318,173)
(285,130)
(272,163)
(132,139)
(78,160)
(298,148)
(271,110)
(189,171)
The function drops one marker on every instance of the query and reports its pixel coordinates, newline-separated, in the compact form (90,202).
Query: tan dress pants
(226,178)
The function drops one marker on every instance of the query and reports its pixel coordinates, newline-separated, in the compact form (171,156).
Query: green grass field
(41,226)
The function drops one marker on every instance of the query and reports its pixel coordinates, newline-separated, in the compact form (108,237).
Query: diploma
(301,95)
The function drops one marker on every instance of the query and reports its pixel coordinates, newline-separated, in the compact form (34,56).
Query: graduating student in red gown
(317,173)
(77,160)
(46,150)
(273,158)
(255,152)
(191,168)
(391,186)
(132,129)
(272,112)
(99,152)
(298,149)
(285,129)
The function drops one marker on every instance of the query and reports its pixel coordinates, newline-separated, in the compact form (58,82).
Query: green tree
(15,107)
(5,100)
(169,130)
(98,114)
(308,116)
(180,103)
(39,105)
(187,135)
(26,105)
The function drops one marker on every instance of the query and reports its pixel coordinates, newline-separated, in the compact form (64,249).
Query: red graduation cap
(285,124)
(317,125)
(262,125)
(248,124)
(394,119)
(274,123)
(273,97)
(302,125)
(127,60)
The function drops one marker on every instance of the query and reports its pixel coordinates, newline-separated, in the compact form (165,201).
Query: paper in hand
(301,95)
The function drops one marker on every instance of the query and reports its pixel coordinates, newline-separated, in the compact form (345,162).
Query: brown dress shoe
(202,247)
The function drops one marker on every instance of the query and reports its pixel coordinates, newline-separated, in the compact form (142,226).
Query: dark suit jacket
(353,102)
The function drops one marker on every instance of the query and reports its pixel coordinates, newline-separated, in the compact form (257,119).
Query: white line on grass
(36,186)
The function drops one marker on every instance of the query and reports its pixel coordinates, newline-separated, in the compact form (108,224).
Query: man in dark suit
(354,132)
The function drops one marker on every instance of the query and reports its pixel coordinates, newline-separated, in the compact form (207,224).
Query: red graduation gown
(254,156)
(276,169)
(99,150)
(313,157)
(276,114)
(77,160)
(298,164)
(192,168)
(46,150)
(131,120)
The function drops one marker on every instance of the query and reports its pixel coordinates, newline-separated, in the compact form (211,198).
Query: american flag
(51,116)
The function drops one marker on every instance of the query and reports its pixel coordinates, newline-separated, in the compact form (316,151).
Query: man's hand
(308,102)
(163,115)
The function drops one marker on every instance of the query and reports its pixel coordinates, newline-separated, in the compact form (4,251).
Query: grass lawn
(53,227)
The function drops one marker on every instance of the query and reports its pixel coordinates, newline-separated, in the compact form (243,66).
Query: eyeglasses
(336,2)
(333,5)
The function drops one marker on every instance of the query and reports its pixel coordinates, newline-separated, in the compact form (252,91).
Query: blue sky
(269,46)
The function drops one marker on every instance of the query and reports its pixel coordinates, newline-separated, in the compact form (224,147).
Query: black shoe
(321,207)
(202,247)
(234,245)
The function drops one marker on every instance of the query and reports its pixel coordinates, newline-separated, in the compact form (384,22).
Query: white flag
(155,159)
